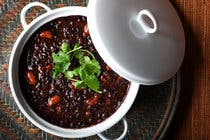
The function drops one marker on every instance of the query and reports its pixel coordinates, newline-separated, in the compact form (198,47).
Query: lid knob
(144,24)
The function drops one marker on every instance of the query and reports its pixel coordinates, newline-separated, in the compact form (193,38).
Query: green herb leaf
(56,72)
(80,84)
(65,47)
(60,68)
(83,60)
(89,72)
(79,55)
(62,63)
(76,71)
(92,67)
(69,74)
(91,81)
(76,46)
(96,68)
(61,57)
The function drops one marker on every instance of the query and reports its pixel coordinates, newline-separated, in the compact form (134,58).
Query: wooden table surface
(192,119)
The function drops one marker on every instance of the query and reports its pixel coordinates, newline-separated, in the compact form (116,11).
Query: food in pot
(63,78)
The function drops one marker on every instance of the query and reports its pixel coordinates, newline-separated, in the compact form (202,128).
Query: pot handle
(144,24)
(27,7)
(122,135)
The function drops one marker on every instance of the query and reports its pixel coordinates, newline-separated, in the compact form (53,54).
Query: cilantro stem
(83,50)
(74,50)
(73,56)
(75,80)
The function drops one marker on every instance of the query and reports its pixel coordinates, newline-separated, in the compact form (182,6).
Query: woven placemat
(148,118)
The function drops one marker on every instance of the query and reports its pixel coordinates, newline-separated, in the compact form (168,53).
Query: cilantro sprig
(87,72)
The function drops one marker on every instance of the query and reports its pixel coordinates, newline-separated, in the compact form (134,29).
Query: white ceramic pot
(29,29)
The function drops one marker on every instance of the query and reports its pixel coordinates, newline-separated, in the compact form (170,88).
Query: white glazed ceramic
(145,52)
(29,29)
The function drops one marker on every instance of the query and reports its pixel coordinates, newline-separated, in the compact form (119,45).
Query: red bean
(54,100)
(46,34)
(93,100)
(86,31)
(32,80)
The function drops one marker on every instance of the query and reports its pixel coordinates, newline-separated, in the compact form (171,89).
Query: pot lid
(141,40)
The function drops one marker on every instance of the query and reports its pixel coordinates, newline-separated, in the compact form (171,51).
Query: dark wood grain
(192,119)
